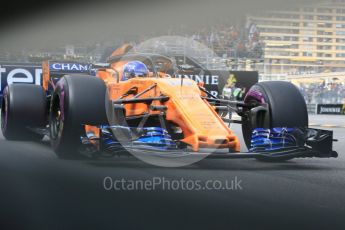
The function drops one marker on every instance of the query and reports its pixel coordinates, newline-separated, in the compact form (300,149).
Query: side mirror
(94,67)
(186,67)
(99,65)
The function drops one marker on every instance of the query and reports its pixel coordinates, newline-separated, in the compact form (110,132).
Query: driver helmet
(134,69)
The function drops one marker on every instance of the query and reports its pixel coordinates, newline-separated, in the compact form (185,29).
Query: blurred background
(300,41)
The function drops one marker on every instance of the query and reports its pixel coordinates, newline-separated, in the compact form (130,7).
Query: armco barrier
(338,109)
(331,109)
(312,108)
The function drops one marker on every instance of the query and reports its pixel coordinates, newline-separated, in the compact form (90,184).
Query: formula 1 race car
(99,109)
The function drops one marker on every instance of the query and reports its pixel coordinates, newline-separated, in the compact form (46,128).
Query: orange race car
(136,101)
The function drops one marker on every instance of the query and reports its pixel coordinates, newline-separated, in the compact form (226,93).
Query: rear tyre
(76,101)
(23,107)
(287,107)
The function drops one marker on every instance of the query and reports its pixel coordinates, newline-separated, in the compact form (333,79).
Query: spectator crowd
(323,93)
(226,39)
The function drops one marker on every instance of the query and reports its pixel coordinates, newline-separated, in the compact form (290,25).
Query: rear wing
(52,71)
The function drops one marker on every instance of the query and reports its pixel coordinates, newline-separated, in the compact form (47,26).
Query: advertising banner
(30,73)
(230,84)
(330,109)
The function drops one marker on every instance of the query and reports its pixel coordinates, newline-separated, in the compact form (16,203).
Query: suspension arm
(140,100)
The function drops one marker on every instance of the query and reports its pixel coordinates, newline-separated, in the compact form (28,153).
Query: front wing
(309,143)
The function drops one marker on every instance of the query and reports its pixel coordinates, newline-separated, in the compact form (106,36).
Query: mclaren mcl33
(104,113)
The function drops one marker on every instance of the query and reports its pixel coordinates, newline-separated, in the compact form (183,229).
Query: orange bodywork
(199,122)
(45,74)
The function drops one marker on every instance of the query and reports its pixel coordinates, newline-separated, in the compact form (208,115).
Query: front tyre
(287,107)
(76,101)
